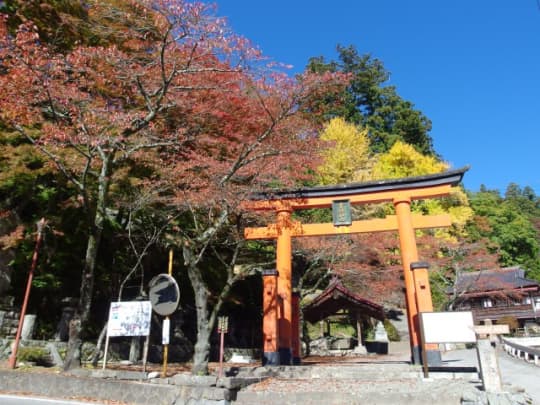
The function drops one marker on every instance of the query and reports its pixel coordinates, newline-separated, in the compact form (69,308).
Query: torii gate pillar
(417,290)
(284,285)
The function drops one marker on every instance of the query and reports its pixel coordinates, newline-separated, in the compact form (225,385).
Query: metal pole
(39,237)
(166,346)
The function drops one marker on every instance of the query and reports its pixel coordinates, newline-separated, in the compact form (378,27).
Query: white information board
(129,318)
(448,327)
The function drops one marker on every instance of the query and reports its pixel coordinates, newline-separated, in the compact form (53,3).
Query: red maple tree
(175,91)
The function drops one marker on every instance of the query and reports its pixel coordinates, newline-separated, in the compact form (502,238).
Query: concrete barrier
(521,348)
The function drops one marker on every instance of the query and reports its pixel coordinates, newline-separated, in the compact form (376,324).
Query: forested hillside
(138,127)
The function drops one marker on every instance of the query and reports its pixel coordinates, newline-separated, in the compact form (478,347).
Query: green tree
(509,223)
(372,104)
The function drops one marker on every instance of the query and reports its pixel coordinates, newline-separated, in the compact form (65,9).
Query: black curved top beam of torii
(450,177)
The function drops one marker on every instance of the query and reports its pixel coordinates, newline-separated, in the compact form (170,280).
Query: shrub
(36,355)
(391,331)
(393,334)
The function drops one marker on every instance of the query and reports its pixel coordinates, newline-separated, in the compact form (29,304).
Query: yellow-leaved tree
(402,160)
(346,158)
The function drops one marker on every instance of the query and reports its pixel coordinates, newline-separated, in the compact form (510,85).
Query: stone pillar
(270,319)
(489,366)
(28,327)
(380,333)
(284,268)
(62,330)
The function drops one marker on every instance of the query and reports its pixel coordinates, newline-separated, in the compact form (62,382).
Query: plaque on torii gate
(279,333)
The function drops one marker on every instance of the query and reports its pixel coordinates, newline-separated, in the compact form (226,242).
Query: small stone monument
(380,333)
(69,307)
(28,327)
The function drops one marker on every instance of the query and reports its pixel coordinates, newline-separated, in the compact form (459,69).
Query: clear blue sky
(471,66)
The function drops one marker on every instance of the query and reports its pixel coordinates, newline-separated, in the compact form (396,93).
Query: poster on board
(129,318)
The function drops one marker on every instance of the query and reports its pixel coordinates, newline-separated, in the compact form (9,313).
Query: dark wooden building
(494,294)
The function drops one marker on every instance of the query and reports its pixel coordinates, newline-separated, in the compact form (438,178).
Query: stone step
(349,392)
(364,372)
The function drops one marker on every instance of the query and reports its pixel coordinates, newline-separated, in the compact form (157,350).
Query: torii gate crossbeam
(280,327)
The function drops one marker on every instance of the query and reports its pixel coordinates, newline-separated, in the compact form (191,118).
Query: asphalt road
(24,400)
(514,372)
(520,373)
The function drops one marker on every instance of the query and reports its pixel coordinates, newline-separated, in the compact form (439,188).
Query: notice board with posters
(129,318)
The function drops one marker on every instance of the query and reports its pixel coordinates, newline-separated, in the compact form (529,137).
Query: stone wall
(9,320)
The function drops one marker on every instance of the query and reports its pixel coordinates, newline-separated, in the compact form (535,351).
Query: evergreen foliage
(510,222)
(370,103)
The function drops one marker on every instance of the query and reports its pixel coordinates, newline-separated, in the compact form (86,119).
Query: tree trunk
(81,316)
(305,333)
(201,355)
(97,350)
(202,346)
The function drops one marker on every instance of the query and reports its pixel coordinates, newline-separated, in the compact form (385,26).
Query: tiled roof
(509,278)
(336,297)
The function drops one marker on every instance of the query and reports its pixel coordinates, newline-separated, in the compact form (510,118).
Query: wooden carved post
(295,326)
(270,319)
(358,317)
(284,268)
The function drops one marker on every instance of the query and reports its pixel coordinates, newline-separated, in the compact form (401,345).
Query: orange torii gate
(281,343)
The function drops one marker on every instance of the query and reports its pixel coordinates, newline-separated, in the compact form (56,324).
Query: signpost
(164,293)
(165,296)
(39,238)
